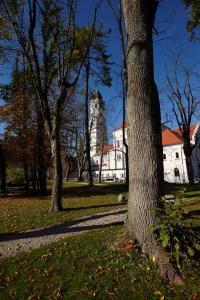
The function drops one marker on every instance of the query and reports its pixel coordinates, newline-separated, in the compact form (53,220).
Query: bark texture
(144,130)
(56,196)
(187,148)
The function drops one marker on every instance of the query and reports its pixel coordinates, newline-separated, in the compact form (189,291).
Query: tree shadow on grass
(72,192)
(93,206)
(66,227)
(86,191)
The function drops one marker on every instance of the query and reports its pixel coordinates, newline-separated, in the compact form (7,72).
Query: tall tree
(98,66)
(144,131)
(118,15)
(47,38)
(184,106)
(18,116)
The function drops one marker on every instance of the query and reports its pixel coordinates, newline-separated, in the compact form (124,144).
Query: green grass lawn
(19,213)
(86,267)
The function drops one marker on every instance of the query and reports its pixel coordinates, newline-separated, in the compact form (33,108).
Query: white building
(113,164)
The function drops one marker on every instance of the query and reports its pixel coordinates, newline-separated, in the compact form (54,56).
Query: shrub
(181,242)
(15,177)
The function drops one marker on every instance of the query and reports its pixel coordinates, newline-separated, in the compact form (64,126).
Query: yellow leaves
(153,259)
(46,256)
(158,293)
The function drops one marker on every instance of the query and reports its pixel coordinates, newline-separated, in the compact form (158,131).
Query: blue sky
(171,21)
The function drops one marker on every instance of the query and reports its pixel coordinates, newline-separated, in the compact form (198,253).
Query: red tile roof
(121,126)
(106,149)
(173,137)
(192,128)
(170,137)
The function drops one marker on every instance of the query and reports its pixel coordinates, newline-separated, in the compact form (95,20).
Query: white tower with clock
(98,129)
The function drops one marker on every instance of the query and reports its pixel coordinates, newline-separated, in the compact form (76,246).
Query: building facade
(113,155)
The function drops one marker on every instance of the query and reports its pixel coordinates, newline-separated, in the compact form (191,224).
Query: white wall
(114,166)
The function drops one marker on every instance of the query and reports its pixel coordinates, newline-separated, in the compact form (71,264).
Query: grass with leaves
(86,267)
(22,212)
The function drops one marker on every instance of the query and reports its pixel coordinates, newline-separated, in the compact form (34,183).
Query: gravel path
(13,243)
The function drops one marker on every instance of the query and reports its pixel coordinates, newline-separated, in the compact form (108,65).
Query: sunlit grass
(23,213)
(85,267)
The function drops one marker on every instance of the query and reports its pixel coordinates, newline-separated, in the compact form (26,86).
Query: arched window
(164,156)
(177,155)
(176,172)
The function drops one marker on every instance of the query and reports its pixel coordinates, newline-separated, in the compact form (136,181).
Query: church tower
(98,135)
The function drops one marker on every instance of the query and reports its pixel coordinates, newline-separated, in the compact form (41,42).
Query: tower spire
(98,137)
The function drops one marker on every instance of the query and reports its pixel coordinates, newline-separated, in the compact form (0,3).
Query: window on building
(177,155)
(176,172)
(96,162)
(119,157)
(122,175)
(118,144)
(164,156)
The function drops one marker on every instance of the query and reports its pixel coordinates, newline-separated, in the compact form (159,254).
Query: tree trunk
(2,173)
(87,135)
(80,174)
(41,152)
(188,152)
(144,131)
(100,166)
(56,196)
(26,183)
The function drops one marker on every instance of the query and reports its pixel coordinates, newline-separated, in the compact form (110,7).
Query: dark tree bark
(100,165)
(87,134)
(56,203)
(187,148)
(2,173)
(26,177)
(41,152)
(144,131)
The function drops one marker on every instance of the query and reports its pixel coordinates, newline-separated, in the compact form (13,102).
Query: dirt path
(13,243)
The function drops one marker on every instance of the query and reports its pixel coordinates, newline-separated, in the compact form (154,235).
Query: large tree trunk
(144,130)
(188,152)
(56,196)
(87,135)
(2,173)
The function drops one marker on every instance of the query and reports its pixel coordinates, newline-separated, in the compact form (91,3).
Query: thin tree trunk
(189,167)
(100,166)
(41,153)
(80,174)
(56,197)
(2,173)
(87,135)
(144,131)
(124,136)
(26,184)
